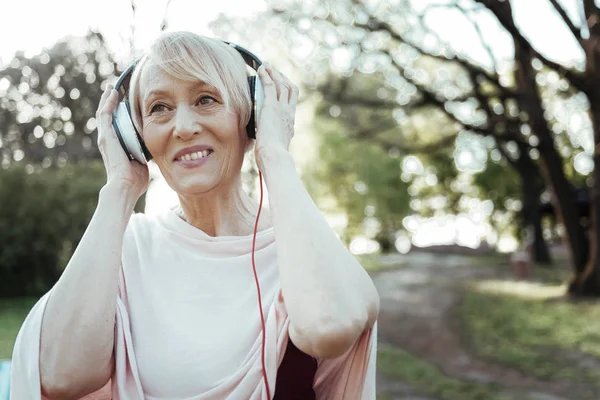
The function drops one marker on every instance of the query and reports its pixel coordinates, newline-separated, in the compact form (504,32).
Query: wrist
(120,194)
(273,157)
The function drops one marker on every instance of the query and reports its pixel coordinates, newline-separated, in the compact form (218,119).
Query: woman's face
(194,140)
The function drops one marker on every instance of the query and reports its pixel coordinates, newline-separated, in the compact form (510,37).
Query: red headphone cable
(262,318)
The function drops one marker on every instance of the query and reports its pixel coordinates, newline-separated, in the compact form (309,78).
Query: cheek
(155,140)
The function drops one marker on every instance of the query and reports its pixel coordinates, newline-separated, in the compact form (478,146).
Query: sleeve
(25,373)
(351,375)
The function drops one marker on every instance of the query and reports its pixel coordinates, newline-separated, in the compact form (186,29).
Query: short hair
(191,57)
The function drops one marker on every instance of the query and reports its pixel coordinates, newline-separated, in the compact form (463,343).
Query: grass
(12,315)
(371,262)
(530,326)
(427,379)
(490,260)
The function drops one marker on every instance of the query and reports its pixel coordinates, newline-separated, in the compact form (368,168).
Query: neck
(231,213)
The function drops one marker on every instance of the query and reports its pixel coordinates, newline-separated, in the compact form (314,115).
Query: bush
(43,215)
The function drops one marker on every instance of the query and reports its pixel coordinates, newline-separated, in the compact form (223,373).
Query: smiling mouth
(194,156)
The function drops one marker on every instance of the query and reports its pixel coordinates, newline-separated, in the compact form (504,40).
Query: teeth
(194,156)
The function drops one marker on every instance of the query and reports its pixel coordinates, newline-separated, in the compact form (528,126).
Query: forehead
(152,76)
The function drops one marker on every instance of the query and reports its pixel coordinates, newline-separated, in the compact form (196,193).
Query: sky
(535,18)
(55,19)
(32,25)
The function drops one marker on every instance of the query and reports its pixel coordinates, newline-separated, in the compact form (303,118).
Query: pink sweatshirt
(188,325)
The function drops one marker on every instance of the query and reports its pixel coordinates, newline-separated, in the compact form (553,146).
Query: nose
(186,122)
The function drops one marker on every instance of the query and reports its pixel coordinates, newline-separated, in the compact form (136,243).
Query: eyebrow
(166,92)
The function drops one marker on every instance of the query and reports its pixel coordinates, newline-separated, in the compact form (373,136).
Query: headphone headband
(122,85)
(251,60)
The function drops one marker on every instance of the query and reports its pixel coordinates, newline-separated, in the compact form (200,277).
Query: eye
(158,108)
(206,100)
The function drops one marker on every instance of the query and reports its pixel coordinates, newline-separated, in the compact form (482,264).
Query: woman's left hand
(276,122)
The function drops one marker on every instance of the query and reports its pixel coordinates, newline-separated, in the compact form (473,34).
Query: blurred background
(450,143)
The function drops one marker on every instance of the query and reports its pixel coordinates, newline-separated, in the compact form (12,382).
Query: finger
(275,78)
(105,116)
(102,100)
(283,91)
(294,96)
(285,82)
(267,82)
(105,95)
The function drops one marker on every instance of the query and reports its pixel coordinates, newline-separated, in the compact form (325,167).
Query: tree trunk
(532,187)
(541,253)
(385,238)
(563,199)
(588,284)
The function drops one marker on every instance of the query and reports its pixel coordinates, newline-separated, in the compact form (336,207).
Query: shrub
(43,215)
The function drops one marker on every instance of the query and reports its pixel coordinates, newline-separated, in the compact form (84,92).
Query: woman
(165,306)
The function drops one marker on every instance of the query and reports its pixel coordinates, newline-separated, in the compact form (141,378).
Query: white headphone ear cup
(259,98)
(128,133)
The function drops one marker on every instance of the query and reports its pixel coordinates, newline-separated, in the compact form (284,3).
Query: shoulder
(142,234)
(140,228)
(140,223)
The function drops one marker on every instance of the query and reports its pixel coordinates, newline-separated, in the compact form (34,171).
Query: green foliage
(364,180)
(501,184)
(498,182)
(47,111)
(362,150)
(441,165)
(428,379)
(534,333)
(43,215)
(12,315)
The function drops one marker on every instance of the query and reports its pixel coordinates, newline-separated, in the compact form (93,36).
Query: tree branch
(503,12)
(485,44)
(433,98)
(563,14)
(132,38)
(592,16)
(359,101)
(507,157)
(374,25)
(165,20)
(368,135)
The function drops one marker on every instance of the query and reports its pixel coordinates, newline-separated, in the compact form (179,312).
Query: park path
(418,296)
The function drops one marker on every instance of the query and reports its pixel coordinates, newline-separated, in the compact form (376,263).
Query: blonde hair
(191,57)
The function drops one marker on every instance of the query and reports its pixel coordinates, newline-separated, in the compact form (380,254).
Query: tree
(365,178)
(48,106)
(486,100)
(583,243)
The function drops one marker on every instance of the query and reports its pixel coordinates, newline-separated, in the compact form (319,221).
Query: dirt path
(417,301)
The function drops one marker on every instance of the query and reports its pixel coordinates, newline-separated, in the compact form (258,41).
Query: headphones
(130,138)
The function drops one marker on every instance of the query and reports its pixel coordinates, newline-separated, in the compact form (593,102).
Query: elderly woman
(166,306)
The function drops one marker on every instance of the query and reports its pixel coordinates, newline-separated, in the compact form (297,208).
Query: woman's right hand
(119,169)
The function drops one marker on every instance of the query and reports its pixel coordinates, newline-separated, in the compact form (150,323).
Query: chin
(193,185)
